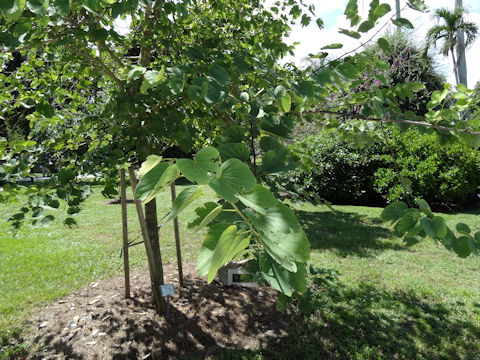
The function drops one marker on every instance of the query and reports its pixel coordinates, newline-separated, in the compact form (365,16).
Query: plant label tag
(167,290)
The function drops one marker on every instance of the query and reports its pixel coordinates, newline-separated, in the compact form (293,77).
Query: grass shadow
(366,322)
(347,233)
(370,323)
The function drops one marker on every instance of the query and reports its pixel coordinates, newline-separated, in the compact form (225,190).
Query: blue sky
(331,12)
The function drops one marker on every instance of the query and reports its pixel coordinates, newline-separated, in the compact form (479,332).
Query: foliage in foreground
(246,216)
(342,172)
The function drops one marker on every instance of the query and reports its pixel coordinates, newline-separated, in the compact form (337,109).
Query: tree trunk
(152,229)
(154,257)
(177,239)
(455,69)
(461,60)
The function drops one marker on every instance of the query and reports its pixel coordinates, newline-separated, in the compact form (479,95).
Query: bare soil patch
(97,322)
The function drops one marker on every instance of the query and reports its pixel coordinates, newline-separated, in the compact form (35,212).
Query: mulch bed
(97,322)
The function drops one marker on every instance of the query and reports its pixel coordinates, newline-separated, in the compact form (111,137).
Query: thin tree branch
(99,62)
(111,53)
(401,121)
(362,44)
(252,137)
(31,46)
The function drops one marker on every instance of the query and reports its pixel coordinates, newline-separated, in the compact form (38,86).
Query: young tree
(194,67)
(451,24)
(195,73)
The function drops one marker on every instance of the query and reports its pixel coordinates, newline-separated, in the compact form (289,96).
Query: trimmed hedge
(342,173)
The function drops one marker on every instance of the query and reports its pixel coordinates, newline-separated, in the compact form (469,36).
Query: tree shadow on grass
(347,233)
(370,323)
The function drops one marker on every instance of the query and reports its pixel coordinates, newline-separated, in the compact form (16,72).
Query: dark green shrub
(335,170)
(342,173)
(443,176)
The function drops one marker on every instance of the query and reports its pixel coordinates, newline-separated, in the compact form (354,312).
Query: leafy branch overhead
(413,225)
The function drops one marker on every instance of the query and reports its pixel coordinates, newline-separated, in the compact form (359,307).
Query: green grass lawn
(384,298)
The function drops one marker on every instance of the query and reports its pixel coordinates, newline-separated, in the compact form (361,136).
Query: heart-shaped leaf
(234,177)
(200,168)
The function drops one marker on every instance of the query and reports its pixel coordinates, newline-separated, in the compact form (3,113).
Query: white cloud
(312,39)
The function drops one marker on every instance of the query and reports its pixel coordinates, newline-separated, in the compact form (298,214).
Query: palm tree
(461,60)
(450,25)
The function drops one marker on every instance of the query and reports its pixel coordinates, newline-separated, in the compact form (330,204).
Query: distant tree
(462,61)
(450,25)
(407,62)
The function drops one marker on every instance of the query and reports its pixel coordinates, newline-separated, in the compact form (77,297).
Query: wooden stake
(177,239)
(123,199)
(156,280)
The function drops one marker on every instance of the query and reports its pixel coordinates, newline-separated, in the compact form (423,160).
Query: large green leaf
(214,94)
(149,164)
(280,92)
(234,177)
(278,125)
(219,74)
(7,6)
(38,7)
(401,22)
(407,222)
(280,231)
(208,247)
(463,229)
(440,226)
(277,276)
(233,134)
(425,208)
(384,45)
(286,249)
(366,26)
(269,143)
(200,168)
(61,7)
(306,88)
(428,227)
(278,161)
(347,71)
(461,246)
(152,78)
(286,102)
(259,199)
(394,211)
(234,151)
(381,10)
(210,217)
(149,180)
(228,245)
(185,198)
(350,33)
(155,181)
(12,10)
(202,212)
(169,175)
(278,218)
